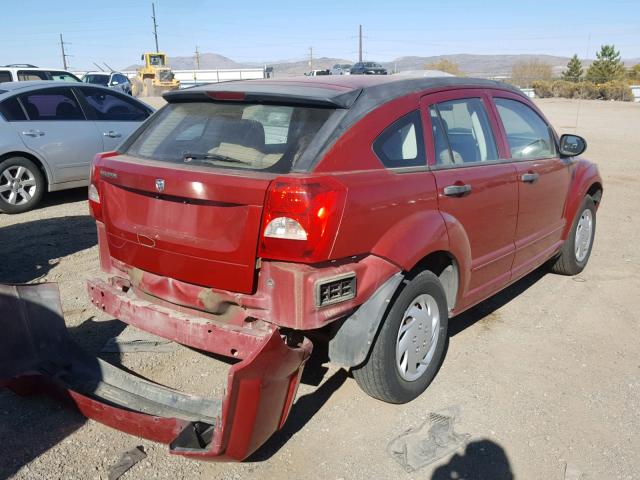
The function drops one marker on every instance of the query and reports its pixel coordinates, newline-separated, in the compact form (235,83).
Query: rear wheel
(409,348)
(576,250)
(21,185)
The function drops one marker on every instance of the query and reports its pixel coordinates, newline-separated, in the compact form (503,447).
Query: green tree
(574,70)
(634,72)
(607,65)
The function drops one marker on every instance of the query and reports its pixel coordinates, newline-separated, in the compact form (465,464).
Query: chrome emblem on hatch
(159,185)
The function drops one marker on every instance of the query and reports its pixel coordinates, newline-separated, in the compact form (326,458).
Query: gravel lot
(546,374)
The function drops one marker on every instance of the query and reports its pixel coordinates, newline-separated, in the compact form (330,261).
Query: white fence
(188,78)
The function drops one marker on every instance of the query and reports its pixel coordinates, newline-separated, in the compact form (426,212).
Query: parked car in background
(368,68)
(114,80)
(50,132)
(26,72)
(379,209)
(341,69)
(317,73)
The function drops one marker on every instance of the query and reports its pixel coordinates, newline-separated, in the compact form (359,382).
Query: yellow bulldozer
(155,77)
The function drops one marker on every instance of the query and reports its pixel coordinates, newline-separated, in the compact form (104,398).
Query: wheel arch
(586,181)
(444,265)
(595,192)
(44,168)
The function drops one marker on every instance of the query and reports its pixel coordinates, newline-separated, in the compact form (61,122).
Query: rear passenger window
(11,110)
(5,76)
(462,132)
(52,104)
(401,144)
(528,135)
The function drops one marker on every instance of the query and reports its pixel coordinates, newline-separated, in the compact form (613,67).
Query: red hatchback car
(245,218)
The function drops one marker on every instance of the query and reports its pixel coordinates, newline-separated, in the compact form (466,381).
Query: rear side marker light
(335,290)
(94,196)
(94,188)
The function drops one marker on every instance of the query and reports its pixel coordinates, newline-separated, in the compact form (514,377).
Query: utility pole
(360,44)
(64,55)
(155,25)
(197,58)
(311,59)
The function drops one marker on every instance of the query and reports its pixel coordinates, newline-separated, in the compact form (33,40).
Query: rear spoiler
(275,94)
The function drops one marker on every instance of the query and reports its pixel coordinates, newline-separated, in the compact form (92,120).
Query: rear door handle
(112,134)
(456,190)
(529,177)
(33,133)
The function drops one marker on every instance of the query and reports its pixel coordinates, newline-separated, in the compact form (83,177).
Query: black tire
(31,175)
(568,263)
(379,376)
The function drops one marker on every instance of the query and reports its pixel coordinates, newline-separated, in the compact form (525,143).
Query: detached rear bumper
(36,354)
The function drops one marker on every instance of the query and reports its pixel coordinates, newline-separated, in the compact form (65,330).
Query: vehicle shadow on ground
(490,305)
(481,459)
(31,249)
(303,410)
(31,421)
(64,196)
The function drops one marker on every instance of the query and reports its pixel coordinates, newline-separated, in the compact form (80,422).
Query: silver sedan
(50,132)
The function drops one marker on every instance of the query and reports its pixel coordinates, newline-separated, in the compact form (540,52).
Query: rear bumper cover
(37,355)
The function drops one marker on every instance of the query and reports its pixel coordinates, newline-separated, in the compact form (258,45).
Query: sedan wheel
(417,337)
(576,250)
(584,231)
(21,185)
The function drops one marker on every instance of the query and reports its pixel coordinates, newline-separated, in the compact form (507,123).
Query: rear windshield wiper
(189,157)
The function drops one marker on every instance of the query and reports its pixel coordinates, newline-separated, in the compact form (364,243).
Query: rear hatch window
(246,136)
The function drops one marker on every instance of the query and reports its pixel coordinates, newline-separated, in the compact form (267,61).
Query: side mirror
(572,145)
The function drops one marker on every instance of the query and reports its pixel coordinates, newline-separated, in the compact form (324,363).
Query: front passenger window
(462,132)
(528,135)
(111,107)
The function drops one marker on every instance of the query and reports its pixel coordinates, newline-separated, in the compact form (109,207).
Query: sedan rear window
(231,135)
(96,79)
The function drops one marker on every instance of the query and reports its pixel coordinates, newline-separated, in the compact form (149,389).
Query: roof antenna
(101,69)
(105,64)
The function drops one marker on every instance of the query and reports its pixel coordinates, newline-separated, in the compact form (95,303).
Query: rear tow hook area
(37,356)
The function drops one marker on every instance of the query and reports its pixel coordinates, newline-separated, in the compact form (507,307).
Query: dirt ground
(546,375)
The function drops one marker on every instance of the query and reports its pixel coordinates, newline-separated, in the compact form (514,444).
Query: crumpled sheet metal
(433,440)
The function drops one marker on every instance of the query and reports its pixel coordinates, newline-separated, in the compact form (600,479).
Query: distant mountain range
(471,65)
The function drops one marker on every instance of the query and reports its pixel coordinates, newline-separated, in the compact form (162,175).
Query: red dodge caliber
(247,218)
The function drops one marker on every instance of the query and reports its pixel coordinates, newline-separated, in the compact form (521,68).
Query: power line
(360,44)
(311,59)
(197,53)
(155,25)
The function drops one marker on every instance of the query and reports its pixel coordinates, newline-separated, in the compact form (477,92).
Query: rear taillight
(94,187)
(301,218)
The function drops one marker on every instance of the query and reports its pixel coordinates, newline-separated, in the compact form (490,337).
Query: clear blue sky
(117,31)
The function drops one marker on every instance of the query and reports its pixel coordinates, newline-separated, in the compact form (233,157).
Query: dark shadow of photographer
(481,460)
